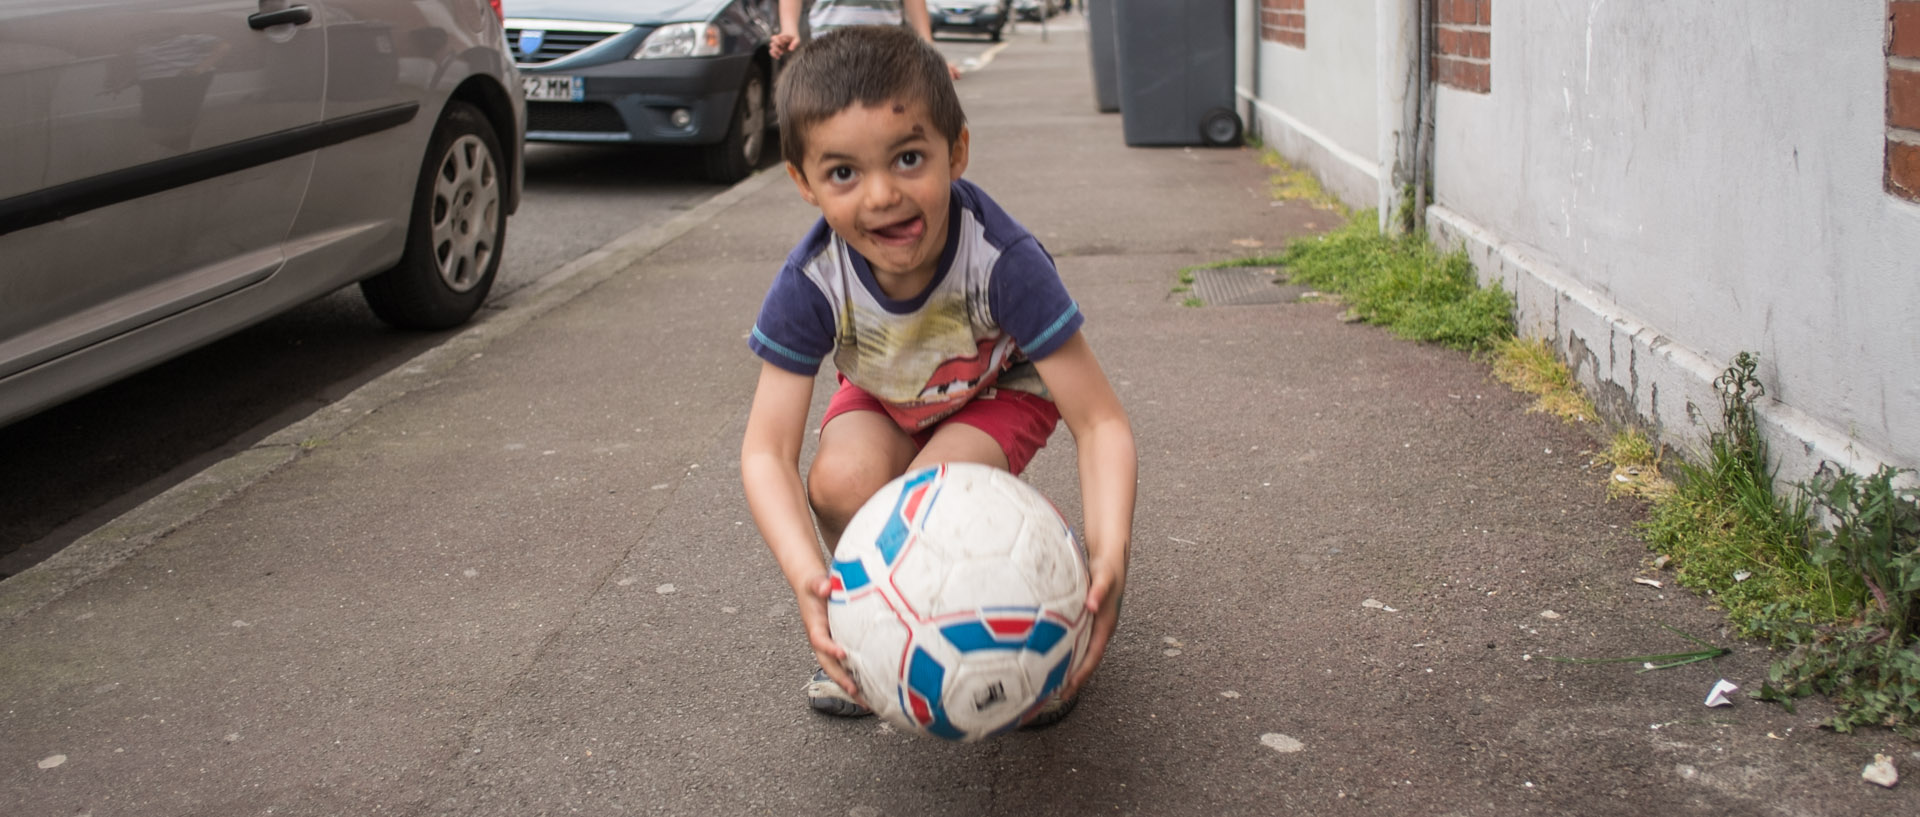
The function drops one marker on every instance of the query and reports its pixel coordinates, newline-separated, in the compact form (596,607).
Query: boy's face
(882,176)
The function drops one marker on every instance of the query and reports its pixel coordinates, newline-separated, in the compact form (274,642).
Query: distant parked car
(651,72)
(987,17)
(174,170)
(1036,10)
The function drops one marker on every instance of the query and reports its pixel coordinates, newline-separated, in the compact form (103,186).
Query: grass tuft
(1401,283)
(1530,367)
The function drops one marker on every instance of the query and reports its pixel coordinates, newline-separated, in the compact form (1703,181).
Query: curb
(106,547)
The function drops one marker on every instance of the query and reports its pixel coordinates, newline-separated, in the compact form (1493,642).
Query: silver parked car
(174,170)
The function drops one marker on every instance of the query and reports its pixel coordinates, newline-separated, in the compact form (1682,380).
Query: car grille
(574,117)
(557,42)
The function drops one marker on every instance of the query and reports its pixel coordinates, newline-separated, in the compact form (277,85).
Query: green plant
(1529,365)
(1193,302)
(1730,536)
(1401,283)
(1869,665)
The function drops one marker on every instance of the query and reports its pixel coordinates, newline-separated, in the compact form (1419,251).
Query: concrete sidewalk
(518,577)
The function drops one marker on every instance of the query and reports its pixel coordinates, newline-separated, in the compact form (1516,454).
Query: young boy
(954,338)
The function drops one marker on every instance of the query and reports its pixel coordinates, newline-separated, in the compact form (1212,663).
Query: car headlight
(680,40)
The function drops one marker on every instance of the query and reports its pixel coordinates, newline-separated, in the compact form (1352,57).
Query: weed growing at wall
(1869,664)
(1401,283)
(1728,533)
(1529,366)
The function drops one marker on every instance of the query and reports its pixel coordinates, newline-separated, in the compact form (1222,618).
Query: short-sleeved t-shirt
(996,303)
(828,15)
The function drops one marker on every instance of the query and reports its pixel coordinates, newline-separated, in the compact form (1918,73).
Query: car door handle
(294,15)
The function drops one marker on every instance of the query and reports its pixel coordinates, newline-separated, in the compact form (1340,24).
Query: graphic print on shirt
(925,366)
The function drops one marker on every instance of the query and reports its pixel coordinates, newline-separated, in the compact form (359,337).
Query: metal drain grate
(1240,286)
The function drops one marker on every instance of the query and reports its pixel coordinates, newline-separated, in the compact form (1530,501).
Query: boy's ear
(957,154)
(800,181)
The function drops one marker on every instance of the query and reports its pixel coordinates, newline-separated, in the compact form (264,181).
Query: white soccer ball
(960,595)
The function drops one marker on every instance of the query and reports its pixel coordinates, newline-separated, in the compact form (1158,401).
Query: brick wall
(1284,22)
(1903,98)
(1463,44)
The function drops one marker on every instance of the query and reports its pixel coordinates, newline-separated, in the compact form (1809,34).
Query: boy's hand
(1109,581)
(813,615)
(782,44)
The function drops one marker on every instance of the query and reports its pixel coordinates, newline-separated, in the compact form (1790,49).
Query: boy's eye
(910,160)
(840,175)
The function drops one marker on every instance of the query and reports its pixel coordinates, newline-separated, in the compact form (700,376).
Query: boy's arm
(1108,466)
(922,24)
(770,474)
(788,37)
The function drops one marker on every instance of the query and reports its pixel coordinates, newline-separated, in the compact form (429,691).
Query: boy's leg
(860,451)
(958,442)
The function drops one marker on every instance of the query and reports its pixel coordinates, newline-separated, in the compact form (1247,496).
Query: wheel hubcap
(466,213)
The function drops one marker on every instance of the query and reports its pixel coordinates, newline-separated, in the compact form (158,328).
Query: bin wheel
(1220,127)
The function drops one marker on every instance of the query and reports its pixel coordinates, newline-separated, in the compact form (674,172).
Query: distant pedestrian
(827,15)
(953,336)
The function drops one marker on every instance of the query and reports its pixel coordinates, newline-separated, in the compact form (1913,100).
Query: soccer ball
(959,593)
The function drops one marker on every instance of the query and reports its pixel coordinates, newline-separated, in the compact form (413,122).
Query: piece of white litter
(665,589)
(1661,561)
(1172,642)
(52,761)
(1281,743)
(1229,694)
(1742,575)
(1376,604)
(1718,695)
(1549,615)
(1880,772)
(627,582)
(1646,581)
(1171,653)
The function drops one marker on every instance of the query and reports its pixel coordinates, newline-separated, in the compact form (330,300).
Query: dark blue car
(652,72)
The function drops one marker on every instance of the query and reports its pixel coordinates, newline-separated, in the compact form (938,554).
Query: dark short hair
(862,65)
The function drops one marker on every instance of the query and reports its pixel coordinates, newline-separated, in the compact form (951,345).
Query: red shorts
(1018,421)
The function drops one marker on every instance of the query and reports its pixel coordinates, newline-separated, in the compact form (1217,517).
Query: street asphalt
(516,576)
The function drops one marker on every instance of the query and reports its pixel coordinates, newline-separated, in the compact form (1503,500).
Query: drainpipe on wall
(1423,131)
(1398,108)
(1246,60)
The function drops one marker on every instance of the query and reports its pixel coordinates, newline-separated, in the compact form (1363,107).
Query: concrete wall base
(1635,374)
(1350,177)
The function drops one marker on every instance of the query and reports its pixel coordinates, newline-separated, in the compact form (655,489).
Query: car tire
(455,232)
(739,154)
(993,34)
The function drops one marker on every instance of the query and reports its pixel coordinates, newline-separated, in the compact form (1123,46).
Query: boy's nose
(881,192)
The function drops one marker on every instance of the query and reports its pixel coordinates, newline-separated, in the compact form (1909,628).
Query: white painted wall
(1662,185)
(1317,106)
(1709,175)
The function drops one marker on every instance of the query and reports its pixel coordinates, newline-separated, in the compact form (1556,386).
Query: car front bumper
(984,20)
(633,101)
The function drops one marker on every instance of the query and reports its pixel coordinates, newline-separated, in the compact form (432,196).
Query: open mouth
(905,231)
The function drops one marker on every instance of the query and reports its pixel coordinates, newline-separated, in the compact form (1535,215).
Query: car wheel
(455,232)
(993,34)
(739,154)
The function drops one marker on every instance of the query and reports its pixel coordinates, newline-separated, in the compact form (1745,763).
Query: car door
(151,161)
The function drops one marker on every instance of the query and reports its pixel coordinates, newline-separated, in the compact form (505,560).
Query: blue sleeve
(795,328)
(1029,301)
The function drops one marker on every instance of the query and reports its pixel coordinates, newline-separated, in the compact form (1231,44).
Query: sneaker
(824,695)
(1055,710)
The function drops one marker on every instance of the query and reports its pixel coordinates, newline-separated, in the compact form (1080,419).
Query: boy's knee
(838,487)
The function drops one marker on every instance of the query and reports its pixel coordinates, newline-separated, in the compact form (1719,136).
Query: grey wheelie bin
(1106,64)
(1176,72)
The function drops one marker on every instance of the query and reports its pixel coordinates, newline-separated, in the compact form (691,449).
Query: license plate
(959,19)
(551,88)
